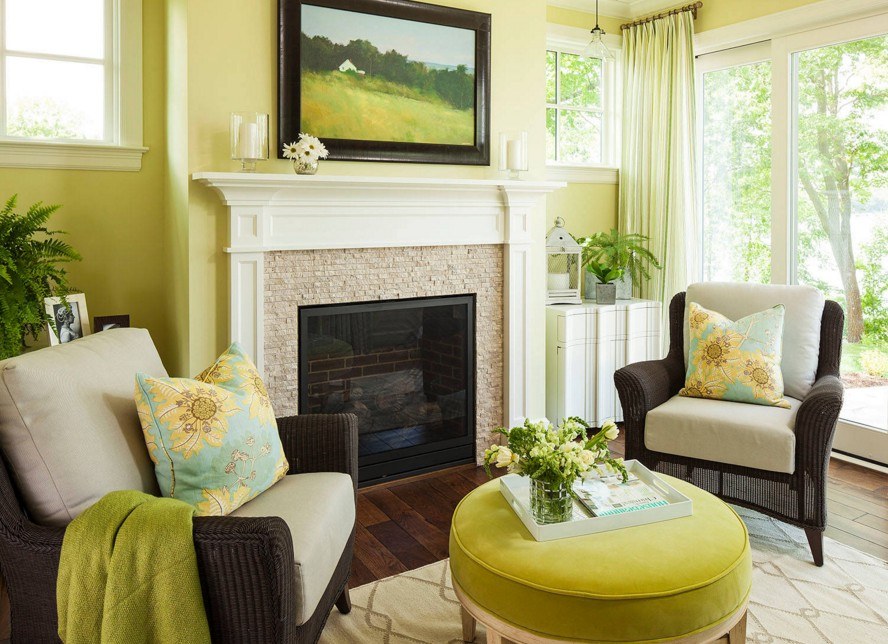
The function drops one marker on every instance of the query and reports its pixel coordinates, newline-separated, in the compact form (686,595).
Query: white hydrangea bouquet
(305,153)
(554,458)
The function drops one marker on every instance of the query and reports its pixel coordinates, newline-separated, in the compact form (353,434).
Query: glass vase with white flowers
(554,457)
(306,153)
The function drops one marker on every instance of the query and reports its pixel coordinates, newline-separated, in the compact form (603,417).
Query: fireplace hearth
(405,368)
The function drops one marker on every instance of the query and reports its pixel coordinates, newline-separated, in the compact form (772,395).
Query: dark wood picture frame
(99,322)
(289,83)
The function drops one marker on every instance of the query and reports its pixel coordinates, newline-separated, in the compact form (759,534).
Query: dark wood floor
(405,524)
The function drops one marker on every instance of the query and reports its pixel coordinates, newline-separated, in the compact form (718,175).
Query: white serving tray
(516,490)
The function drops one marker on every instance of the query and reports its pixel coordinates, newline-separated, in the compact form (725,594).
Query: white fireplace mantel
(274,212)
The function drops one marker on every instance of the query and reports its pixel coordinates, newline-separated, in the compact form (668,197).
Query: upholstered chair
(270,572)
(770,459)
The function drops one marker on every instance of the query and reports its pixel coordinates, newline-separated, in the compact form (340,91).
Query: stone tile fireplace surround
(297,240)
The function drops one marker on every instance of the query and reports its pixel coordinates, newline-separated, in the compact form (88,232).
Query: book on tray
(608,495)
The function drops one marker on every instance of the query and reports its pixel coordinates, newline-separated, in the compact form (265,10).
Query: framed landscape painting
(386,80)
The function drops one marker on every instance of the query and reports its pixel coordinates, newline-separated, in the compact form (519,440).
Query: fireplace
(405,368)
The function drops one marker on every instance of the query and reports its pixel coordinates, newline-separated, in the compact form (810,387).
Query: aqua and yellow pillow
(737,361)
(214,439)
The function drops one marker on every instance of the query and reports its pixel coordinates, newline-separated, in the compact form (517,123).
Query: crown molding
(623,9)
(576,38)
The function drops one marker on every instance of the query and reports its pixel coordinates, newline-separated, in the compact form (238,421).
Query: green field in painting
(337,105)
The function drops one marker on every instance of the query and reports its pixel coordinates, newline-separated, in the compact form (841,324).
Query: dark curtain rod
(691,7)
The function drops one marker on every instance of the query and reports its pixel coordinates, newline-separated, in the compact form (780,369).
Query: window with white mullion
(57,74)
(574,108)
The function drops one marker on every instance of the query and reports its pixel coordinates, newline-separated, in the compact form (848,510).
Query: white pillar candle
(559,281)
(514,155)
(248,141)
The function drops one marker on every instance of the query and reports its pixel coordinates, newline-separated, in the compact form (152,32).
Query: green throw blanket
(129,574)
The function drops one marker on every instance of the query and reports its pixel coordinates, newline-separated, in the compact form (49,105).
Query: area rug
(844,602)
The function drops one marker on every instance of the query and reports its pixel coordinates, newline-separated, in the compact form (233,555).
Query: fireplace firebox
(405,368)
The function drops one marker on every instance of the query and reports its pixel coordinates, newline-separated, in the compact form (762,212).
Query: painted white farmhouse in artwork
(348,66)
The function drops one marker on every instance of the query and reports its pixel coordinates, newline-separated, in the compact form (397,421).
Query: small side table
(585,344)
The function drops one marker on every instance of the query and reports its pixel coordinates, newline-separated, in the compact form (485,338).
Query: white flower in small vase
(305,153)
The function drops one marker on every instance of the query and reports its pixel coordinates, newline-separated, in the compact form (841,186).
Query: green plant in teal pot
(32,259)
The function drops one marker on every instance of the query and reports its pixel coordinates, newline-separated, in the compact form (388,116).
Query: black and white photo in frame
(70,318)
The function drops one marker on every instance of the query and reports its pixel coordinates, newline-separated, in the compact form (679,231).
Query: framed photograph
(71,319)
(385,80)
(106,322)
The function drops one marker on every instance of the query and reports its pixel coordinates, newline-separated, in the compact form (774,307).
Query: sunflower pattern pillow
(738,361)
(214,439)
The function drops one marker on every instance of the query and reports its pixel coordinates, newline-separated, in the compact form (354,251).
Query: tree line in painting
(456,86)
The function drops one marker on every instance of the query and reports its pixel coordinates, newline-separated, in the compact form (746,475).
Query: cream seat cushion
(725,432)
(319,509)
(801,327)
(68,425)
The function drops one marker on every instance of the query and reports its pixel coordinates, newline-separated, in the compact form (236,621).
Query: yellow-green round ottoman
(684,580)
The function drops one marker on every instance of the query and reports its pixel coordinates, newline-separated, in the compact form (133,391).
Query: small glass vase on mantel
(550,503)
(305,167)
(305,153)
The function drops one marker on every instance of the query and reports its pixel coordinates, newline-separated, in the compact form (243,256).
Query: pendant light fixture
(596,47)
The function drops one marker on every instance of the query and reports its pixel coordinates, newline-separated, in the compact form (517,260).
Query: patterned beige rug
(845,602)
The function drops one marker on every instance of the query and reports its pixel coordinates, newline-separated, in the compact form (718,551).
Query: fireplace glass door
(405,369)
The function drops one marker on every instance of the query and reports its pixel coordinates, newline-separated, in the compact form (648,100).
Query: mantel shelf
(278,180)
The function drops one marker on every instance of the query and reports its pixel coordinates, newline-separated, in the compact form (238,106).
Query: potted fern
(32,259)
(626,252)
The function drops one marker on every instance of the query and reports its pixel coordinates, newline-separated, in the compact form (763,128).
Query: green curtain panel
(658,191)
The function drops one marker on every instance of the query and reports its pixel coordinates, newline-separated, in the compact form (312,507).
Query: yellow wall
(116,219)
(585,207)
(232,65)
(720,13)
(583,19)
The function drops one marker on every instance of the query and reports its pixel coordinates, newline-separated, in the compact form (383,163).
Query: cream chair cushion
(319,509)
(68,423)
(801,328)
(725,432)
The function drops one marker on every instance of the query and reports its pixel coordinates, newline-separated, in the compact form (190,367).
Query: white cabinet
(585,345)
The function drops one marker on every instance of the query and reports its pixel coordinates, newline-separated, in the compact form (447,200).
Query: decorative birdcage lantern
(563,261)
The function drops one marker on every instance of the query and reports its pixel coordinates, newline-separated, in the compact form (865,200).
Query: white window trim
(123,117)
(573,40)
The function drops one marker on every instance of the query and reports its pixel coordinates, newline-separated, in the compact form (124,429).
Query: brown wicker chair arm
(321,443)
(645,385)
(246,567)
(816,423)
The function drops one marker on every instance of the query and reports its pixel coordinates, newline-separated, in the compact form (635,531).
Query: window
(840,205)
(581,117)
(56,69)
(574,109)
(71,75)
(736,168)
(794,178)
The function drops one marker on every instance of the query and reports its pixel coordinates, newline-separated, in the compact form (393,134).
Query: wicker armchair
(246,564)
(798,498)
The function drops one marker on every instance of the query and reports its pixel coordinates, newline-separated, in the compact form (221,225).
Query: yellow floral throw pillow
(213,440)
(738,361)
